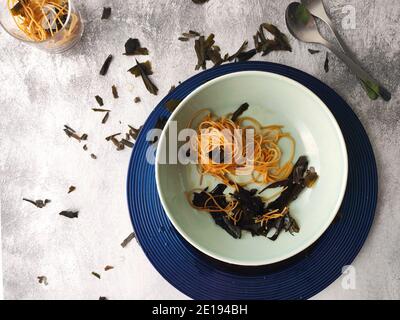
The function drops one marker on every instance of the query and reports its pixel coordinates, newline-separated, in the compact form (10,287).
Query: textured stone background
(41,92)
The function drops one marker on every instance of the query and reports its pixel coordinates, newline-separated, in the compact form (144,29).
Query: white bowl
(273,99)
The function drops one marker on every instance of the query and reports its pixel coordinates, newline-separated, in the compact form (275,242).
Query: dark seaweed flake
(106,13)
(128,239)
(69,214)
(106,65)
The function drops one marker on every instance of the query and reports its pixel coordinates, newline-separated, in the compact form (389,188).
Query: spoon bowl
(301,24)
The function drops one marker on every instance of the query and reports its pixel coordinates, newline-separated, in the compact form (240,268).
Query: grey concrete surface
(41,92)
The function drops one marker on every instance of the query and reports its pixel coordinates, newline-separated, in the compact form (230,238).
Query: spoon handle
(360,73)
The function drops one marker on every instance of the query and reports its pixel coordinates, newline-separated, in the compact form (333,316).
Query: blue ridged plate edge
(300,277)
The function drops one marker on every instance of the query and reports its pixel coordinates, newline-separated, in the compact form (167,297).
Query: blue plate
(300,277)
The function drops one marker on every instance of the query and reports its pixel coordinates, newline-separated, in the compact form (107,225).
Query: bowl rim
(341,193)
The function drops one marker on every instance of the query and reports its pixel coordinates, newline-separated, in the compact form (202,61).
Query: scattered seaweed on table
(200,1)
(38,203)
(100,110)
(127,143)
(43,280)
(133,47)
(133,132)
(312,51)
(105,118)
(172,104)
(191,34)
(103,298)
(69,214)
(106,65)
(145,66)
(240,51)
(119,144)
(93,156)
(137,99)
(71,133)
(96,275)
(107,268)
(246,55)
(114,92)
(183,39)
(207,50)
(240,111)
(326,64)
(264,45)
(144,70)
(106,13)
(71,189)
(99,100)
(85,147)
(112,136)
(128,239)
(173,87)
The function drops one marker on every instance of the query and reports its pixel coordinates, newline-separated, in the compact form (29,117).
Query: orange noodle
(263,166)
(39,20)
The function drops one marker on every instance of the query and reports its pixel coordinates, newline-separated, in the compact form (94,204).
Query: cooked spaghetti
(227,139)
(39,20)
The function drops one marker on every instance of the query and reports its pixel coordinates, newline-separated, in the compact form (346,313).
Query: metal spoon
(317,9)
(302,26)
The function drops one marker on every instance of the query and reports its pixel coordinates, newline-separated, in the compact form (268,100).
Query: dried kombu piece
(150,86)
(200,1)
(71,189)
(137,99)
(146,66)
(85,147)
(106,13)
(69,214)
(38,203)
(240,51)
(96,275)
(128,239)
(93,156)
(246,55)
(105,118)
(133,132)
(106,65)
(71,133)
(183,39)
(99,100)
(239,111)
(106,268)
(326,64)
(133,47)
(310,177)
(43,279)
(100,110)
(114,92)
(191,34)
(127,143)
(201,200)
(112,136)
(265,45)
(172,104)
(312,51)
